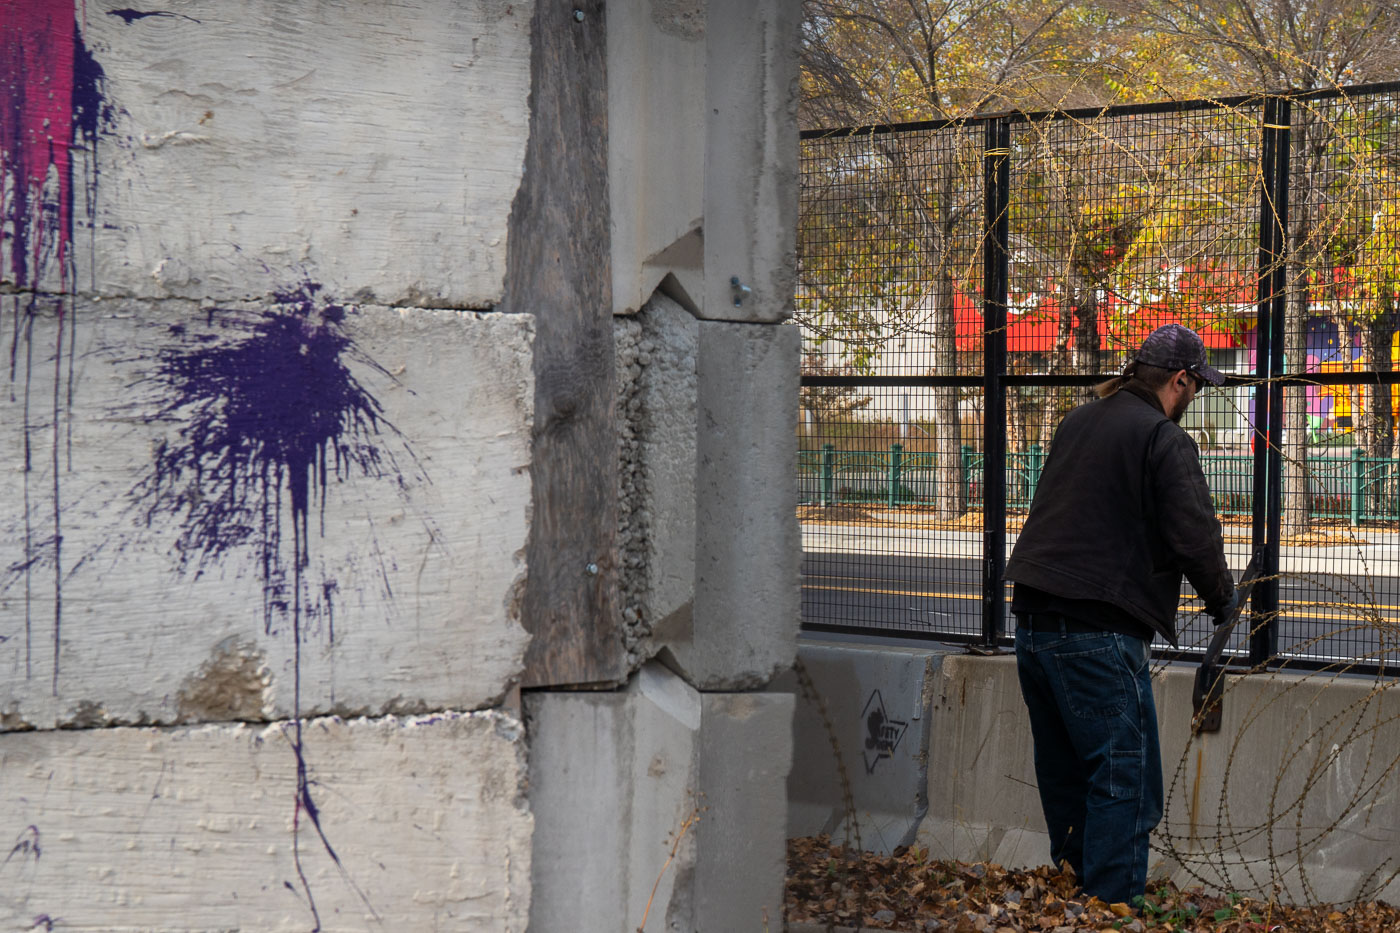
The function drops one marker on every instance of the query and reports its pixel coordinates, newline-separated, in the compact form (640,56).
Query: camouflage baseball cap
(1174,347)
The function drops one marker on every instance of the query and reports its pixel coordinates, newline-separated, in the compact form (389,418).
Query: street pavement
(1339,602)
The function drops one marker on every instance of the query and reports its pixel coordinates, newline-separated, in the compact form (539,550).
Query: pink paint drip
(37,51)
(50,105)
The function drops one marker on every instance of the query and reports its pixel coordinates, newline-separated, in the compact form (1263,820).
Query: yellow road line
(852,589)
(1190,604)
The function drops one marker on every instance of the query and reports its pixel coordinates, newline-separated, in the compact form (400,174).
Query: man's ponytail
(1110,386)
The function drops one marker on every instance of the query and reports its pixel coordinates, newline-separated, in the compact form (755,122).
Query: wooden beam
(558,269)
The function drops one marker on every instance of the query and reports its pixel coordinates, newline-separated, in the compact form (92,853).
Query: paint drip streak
(51,109)
(14,343)
(57,505)
(29,554)
(303,794)
(68,400)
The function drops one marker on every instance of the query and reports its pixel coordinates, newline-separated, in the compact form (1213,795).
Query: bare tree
(828,403)
(870,61)
(1247,45)
(877,61)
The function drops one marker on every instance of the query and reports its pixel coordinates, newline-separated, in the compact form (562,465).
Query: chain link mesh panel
(1118,221)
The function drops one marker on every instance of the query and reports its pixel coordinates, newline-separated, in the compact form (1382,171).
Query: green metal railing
(897,477)
(1357,488)
(1374,488)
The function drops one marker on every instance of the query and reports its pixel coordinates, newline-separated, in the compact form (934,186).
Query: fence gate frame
(1268,380)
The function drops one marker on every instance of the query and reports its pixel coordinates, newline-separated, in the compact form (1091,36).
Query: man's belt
(1054,622)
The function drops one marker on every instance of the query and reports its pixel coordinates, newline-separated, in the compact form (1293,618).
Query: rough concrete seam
(90,717)
(633,351)
(362,300)
(932,668)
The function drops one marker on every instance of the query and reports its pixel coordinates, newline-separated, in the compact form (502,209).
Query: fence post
(1358,470)
(966,451)
(828,474)
(1035,462)
(895,451)
(1273,287)
(996,252)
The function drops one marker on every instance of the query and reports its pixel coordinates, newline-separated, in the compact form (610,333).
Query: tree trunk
(951,501)
(1060,399)
(1295,495)
(1017,422)
(1303,254)
(1377,338)
(1086,337)
(1379,415)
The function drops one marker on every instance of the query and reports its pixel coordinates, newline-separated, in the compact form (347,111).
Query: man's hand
(1228,611)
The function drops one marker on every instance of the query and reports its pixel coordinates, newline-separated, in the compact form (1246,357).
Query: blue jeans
(1097,762)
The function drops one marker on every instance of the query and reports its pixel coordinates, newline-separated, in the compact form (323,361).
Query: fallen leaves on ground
(834,514)
(907,891)
(906,516)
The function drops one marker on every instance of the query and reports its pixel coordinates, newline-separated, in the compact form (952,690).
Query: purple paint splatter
(269,410)
(130,16)
(26,845)
(269,415)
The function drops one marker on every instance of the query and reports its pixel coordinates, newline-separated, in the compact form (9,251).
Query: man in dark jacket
(1122,511)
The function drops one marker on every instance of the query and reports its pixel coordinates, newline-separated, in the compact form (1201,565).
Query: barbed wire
(809,692)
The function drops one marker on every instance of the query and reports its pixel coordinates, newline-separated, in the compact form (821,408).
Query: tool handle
(1210,676)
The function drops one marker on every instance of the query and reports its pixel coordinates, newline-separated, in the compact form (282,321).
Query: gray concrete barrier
(1297,796)
(876,700)
(657,801)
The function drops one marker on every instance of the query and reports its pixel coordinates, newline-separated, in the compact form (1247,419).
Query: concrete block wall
(746,534)
(234,150)
(1297,792)
(1275,802)
(167,569)
(418,823)
(265,485)
(702,101)
(268,434)
(720,556)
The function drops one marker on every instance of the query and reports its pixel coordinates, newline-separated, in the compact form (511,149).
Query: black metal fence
(963,284)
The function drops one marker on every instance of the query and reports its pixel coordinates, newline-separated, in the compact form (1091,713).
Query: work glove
(1228,611)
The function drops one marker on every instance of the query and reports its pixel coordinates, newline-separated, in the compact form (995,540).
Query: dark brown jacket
(1122,510)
